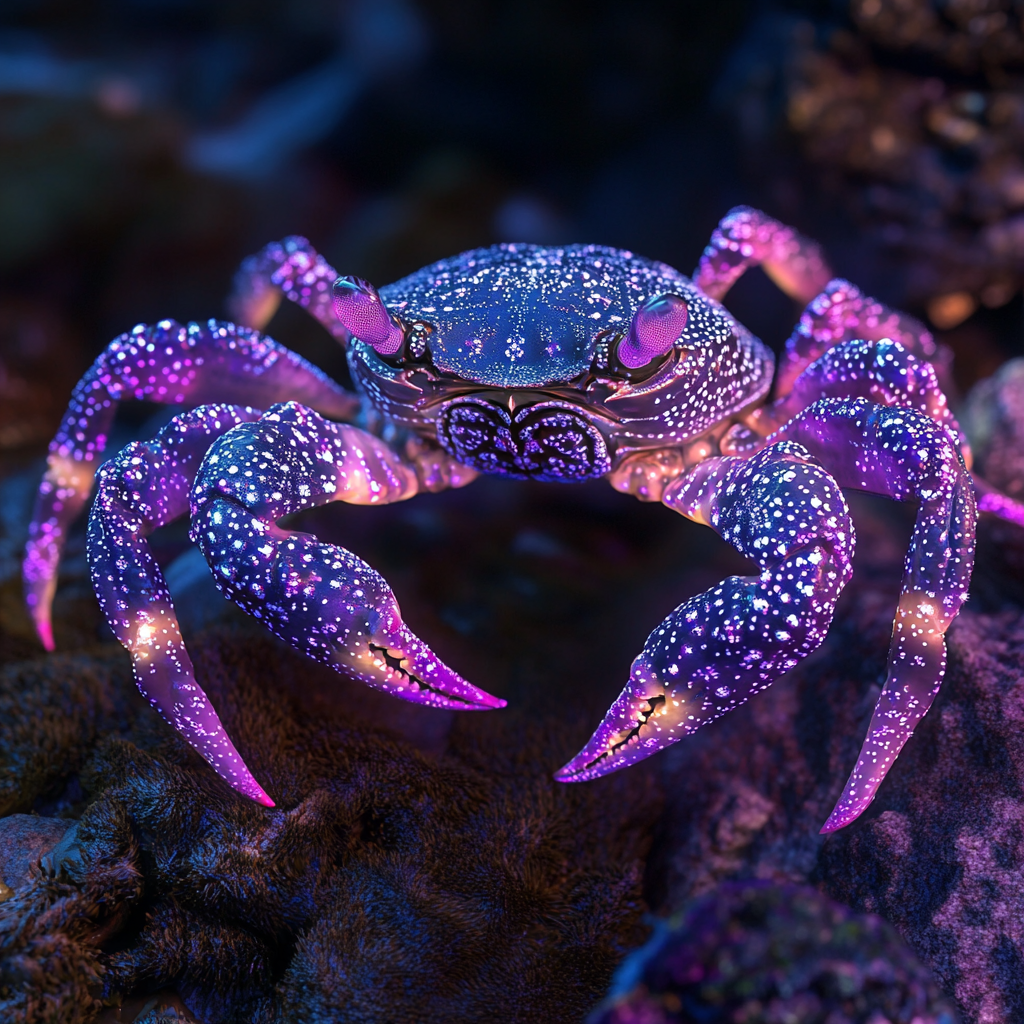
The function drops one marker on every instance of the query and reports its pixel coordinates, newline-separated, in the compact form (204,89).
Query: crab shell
(523,373)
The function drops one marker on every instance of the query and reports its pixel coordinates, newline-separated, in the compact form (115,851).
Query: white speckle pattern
(842,312)
(883,371)
(746,238)
(540,298)
(292,267)
(518,316)
(782,510)
(904,455)
(320,598)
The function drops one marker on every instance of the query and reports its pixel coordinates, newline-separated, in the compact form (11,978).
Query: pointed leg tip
(45,633)
(840,818)
(254,791)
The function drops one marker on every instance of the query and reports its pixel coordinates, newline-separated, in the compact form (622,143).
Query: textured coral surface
(753,951)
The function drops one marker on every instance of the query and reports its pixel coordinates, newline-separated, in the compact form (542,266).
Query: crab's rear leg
(747,238)
(883,371)
(782,510)
(904,455)
(842,313)
(837,310)
(146,486)
(320,598)
(168,363)
(294,269)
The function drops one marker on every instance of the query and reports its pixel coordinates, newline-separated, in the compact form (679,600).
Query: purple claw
(323,600)
(654,330)
(645,718)
(359,307)
(782,510)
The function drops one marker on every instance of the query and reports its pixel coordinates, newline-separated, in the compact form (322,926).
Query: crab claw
(388,656)
(321,598)
(359,307)
(645,717)
(329,604)
(654,330)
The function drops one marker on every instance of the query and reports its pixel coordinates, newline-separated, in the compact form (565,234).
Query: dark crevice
(653,703)
(396,663)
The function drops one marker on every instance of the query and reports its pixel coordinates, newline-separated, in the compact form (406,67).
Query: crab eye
(358,305)
(653,331)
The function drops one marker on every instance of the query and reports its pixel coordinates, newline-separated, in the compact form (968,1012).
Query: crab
(552,363)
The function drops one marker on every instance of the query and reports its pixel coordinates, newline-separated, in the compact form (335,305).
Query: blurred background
(146,146)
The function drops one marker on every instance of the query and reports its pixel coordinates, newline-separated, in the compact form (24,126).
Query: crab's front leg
(782,510)
(904,455)
(172,364)
(322,599)
(146,486)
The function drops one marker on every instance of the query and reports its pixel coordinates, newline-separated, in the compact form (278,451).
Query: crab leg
(903,455)
(884,372)
(145,486)
(887,373)
(322,599)
(167,363)
(843,313)
(293,268)
(748,238)
(782,510)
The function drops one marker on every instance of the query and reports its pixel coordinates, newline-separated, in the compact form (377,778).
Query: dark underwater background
(423,866)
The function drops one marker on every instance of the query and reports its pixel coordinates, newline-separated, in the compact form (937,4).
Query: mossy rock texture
(386,885)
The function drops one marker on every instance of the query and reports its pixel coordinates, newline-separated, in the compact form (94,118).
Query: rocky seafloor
(422,865)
